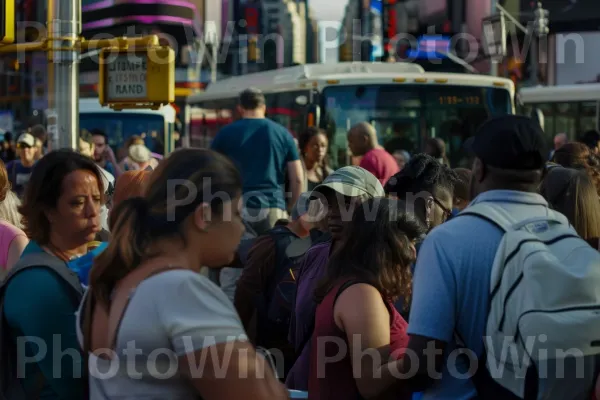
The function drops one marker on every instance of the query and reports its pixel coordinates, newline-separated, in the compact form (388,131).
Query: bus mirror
(313,116)
(538,116)
(302,100)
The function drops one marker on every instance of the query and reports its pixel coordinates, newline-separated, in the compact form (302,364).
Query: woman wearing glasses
(427,186)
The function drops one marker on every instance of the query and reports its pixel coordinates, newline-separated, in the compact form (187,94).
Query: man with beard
(103,154)
(340,193)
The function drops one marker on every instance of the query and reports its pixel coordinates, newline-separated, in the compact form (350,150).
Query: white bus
(400,99)
(570,109)
(156,127)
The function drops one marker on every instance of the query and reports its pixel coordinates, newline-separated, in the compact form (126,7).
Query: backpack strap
(43,259)
(505,221)
(103,326)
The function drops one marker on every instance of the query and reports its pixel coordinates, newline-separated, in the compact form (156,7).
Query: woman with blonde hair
(12,238)
(572,193)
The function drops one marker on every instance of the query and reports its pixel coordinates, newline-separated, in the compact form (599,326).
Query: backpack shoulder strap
(43,259)
(495,215)
(506,221)
(105,323)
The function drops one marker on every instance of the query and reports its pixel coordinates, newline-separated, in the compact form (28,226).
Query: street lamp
(494,37)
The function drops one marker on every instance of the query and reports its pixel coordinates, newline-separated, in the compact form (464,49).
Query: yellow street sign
(135,78)
(7,21)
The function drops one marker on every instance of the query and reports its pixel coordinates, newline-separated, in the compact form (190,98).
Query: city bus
(156,127)
(399,99)
(570,109)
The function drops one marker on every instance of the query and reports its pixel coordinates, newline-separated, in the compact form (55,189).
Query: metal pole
(66,29)
(534,60)
(494,62)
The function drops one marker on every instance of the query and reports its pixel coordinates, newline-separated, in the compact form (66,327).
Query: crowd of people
(370,281)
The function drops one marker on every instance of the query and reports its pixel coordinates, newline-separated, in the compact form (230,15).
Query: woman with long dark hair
(313,144)
(364,277)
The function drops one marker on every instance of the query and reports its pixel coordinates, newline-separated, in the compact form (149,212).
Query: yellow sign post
(7,21)
(137,78)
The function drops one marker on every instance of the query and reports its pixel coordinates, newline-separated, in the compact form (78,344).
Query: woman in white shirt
(154,328)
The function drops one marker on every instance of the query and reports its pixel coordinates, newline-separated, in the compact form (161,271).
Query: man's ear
(478,170)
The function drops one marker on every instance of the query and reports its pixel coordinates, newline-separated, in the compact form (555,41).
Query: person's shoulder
(316,251)
(178,282)
(106,175)
(40,280)
(462,235)
(319,248)
(9,230)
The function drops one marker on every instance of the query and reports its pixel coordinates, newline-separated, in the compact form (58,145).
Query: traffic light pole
(493,61)
(64,46)
(64,31)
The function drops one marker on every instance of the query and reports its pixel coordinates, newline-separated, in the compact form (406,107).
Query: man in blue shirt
(452,277)
(262,150)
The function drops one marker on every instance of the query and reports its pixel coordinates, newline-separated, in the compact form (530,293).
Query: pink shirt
(8,233)
(381,164)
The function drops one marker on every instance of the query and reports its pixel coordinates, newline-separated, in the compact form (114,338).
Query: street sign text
(132,79)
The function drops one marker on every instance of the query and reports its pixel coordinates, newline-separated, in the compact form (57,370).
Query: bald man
(559,141)
(362,141)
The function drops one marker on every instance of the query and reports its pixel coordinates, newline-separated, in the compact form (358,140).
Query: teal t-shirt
(261,149)
(40,305)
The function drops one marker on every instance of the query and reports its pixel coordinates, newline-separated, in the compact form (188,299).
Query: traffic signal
(540,23)
(7,22)
(253,50)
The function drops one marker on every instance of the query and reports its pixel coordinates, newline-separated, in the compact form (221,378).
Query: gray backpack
(10,386)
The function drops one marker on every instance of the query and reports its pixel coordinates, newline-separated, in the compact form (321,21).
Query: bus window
(208,118)
(387,107)
(587,118)
(284,109)
(566,118)
(454,114)
(121,126)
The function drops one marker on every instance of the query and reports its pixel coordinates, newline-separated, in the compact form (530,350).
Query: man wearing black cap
(263,151)
(452,276)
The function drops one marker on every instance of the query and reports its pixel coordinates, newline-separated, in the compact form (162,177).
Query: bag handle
(105,322)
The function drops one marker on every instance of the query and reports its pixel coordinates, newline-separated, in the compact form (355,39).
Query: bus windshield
(406,115)
(122,125)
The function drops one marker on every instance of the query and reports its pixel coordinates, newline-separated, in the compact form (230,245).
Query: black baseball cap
(509,142)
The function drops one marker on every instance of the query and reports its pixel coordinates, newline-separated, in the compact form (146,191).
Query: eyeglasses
(22,146)
(447,212)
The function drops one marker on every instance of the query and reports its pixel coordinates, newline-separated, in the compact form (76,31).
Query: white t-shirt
(107,179)
(170,314)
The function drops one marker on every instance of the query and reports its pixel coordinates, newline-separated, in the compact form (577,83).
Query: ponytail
(130,237)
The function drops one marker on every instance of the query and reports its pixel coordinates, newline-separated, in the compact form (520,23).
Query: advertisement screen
(376,15)
(389,21)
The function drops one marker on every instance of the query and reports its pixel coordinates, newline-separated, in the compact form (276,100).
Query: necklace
(50,248)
